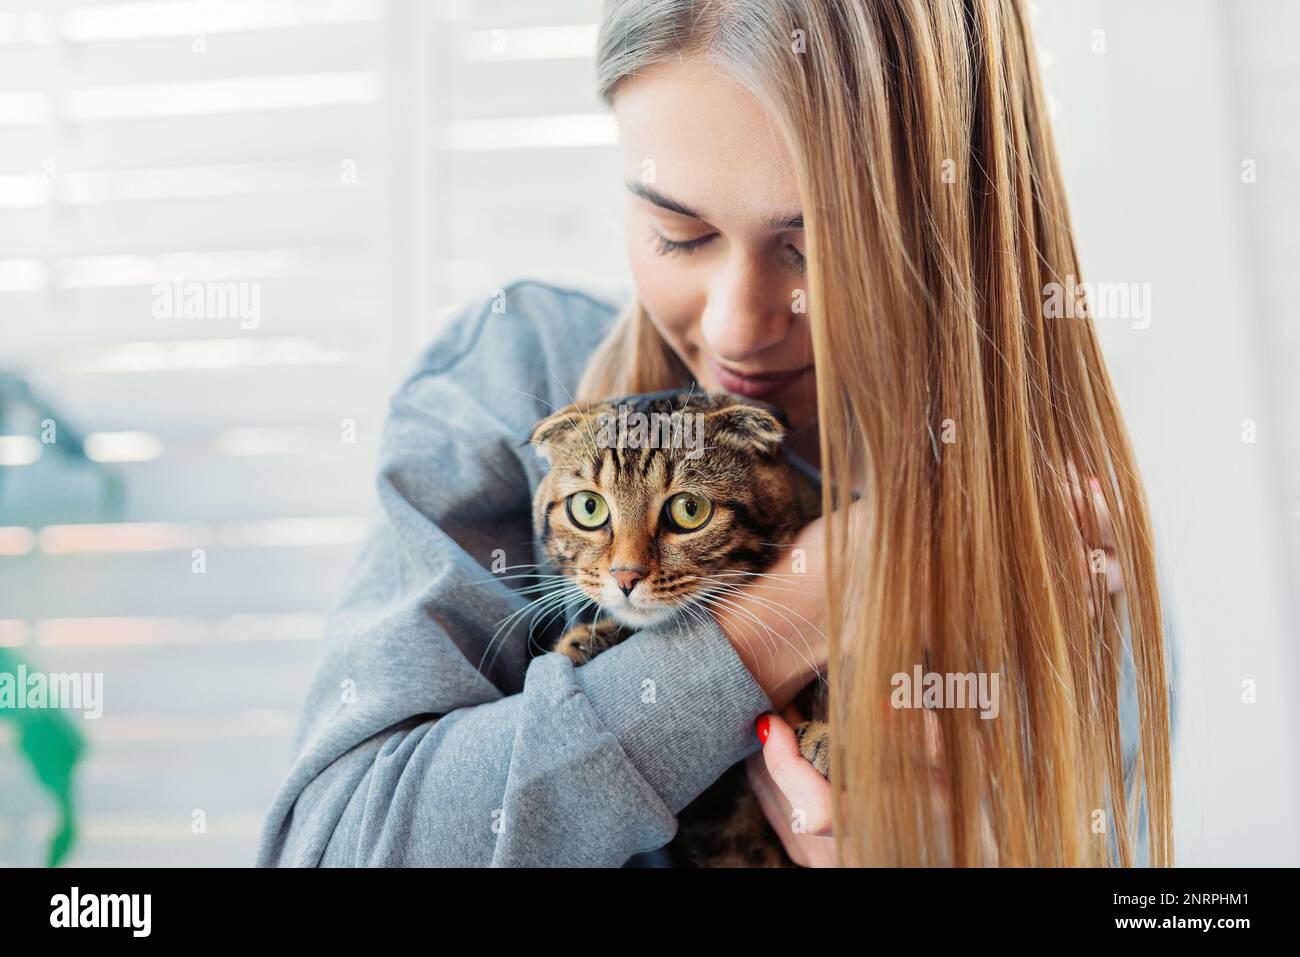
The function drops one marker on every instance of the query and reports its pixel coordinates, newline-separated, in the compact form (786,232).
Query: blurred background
(182,490)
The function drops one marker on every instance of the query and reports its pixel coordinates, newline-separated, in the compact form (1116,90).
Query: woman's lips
(755,385)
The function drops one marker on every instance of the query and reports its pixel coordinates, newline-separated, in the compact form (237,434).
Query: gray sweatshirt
(429,737)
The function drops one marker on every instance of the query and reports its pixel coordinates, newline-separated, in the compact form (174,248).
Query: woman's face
(715,233)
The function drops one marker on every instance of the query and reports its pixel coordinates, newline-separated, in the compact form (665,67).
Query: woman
(851,211)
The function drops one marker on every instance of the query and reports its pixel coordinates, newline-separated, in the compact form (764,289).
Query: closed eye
(669,247)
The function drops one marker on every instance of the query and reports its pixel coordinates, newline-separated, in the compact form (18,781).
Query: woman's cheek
(667,293)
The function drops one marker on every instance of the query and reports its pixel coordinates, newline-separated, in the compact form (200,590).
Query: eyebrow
(652,195)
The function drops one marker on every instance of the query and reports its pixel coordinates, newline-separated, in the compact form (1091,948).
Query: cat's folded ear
(554,431)
(750,428)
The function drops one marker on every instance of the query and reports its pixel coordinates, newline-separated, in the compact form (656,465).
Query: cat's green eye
(688,512)
(587,510)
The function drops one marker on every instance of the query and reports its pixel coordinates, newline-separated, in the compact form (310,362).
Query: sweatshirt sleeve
(431,734)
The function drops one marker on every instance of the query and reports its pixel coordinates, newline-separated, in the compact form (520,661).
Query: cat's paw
(576,645)
(814,739)
(583,642)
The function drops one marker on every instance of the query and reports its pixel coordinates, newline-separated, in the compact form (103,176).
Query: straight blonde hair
(935,219)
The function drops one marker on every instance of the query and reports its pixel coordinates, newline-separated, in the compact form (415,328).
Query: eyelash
(670,247)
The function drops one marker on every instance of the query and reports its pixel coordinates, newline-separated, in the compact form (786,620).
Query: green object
(63,486)
(53,746)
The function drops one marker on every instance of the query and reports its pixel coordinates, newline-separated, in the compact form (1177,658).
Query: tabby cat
(654,507)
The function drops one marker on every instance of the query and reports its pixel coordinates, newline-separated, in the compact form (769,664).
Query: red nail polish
(762,727)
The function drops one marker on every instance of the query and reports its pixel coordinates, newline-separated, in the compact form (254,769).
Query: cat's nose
(627,578)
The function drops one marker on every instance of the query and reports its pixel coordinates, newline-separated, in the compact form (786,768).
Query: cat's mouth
(635,614)
(640,609)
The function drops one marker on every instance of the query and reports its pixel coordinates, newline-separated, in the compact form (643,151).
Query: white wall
(1152,133)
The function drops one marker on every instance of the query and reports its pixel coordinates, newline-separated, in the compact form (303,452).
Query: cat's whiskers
(586,417)
(756,575)
(538,398)
(730,588)
(506,578)
(510,568)
(561,592)
(535,605)
(554,409)
(576,575)
(545,576)
(561,610)
(574,459)
(695,615)
(716,597)
(781,609)
(689,471)
(793,545)
(747,621)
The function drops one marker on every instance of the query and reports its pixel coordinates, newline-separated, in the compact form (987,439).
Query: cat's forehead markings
(605,464)
(655,460)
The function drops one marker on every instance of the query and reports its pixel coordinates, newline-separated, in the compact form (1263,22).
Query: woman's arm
(423,741)
(576,769)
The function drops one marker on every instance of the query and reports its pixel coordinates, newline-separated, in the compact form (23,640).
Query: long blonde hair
(935,218)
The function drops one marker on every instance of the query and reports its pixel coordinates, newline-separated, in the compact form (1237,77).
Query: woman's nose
(744,315)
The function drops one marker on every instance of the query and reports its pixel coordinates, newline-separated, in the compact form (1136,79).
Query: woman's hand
(775,620)
(1103,550)
(795,798)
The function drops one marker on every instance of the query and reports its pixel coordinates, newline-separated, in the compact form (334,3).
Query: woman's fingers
(1114,572)
(806,850)
(1102,556)
(796,800)
(808,793)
